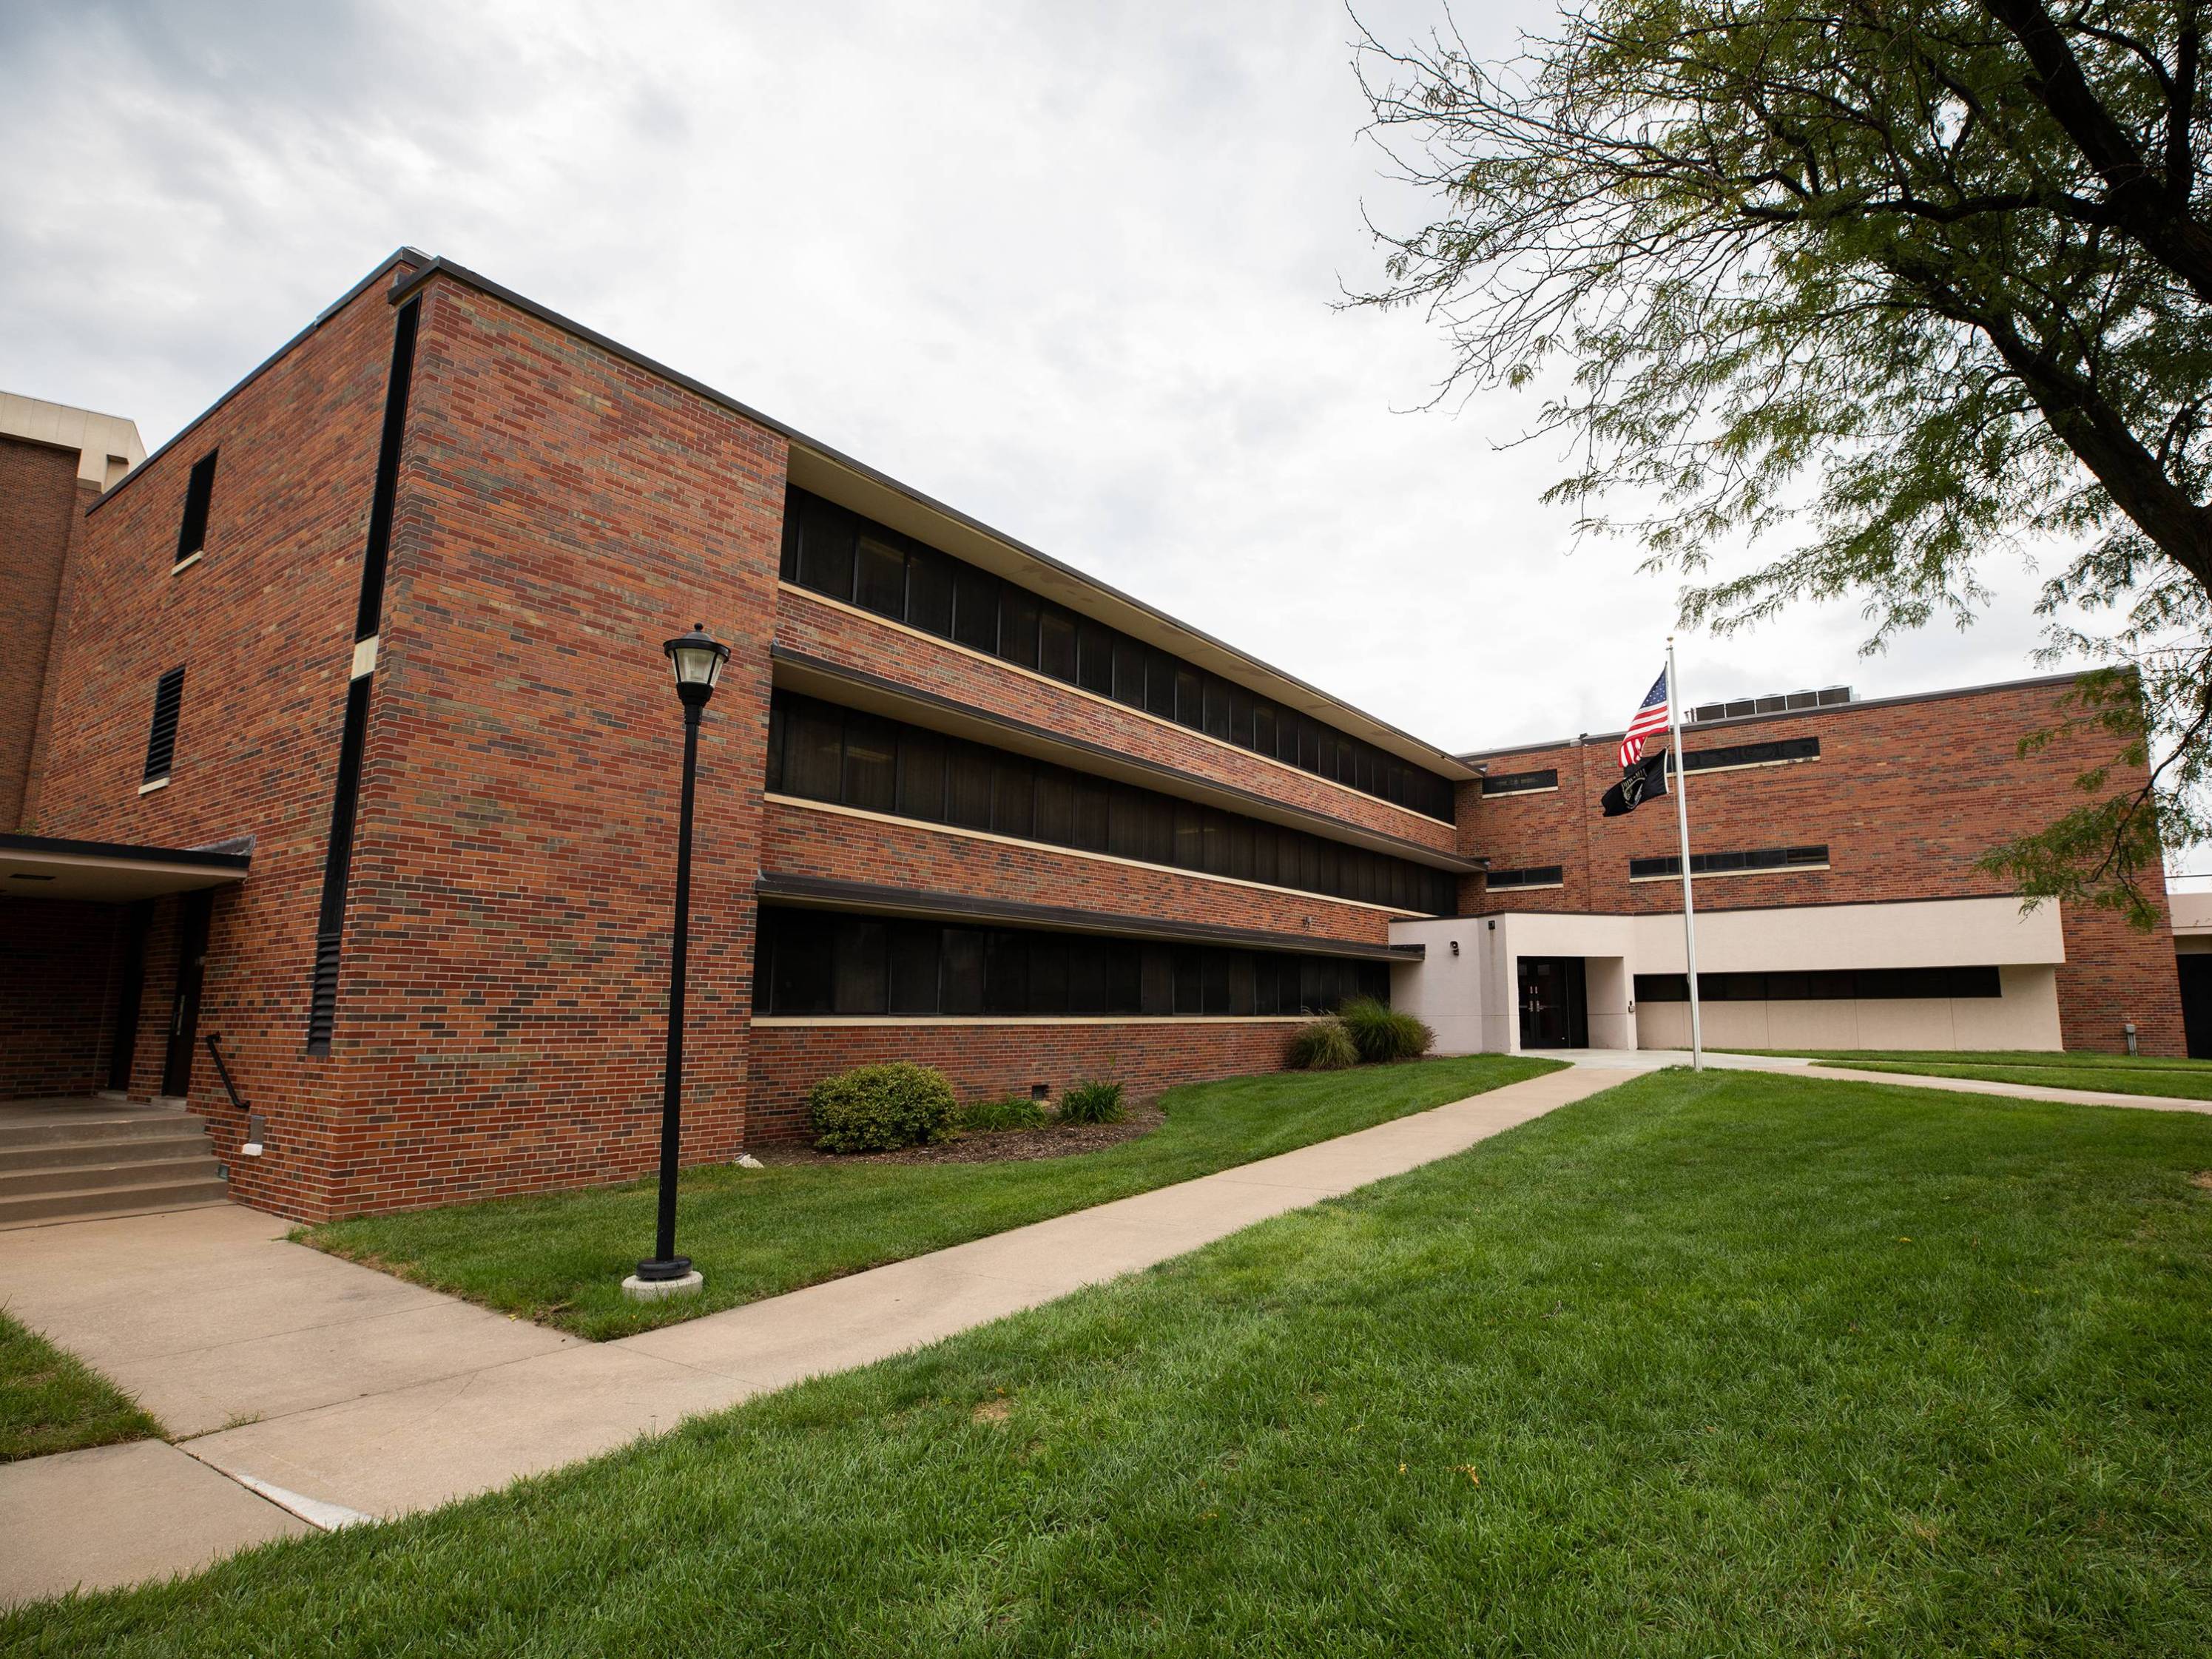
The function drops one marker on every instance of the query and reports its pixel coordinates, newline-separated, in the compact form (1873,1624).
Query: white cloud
(1070,271)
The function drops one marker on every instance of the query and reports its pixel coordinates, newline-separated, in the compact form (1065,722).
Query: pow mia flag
(1638,783)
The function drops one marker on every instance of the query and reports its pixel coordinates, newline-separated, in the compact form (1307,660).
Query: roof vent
(1780,704)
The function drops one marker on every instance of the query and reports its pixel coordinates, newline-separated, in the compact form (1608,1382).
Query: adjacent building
(347,799)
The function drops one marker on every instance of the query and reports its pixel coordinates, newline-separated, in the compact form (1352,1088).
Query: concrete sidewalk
(326,1391)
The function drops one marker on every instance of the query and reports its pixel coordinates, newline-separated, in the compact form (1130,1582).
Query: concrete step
(120,1149)
(196,1165)
(44,1128)
(88,1202)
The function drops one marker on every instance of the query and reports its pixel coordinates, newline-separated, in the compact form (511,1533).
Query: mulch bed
(991,1145)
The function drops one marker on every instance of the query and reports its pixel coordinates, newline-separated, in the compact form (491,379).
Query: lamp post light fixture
(697,658)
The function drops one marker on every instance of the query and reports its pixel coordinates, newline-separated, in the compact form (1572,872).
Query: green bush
(1014,1112)
(877,1108)
(1095,1100)
(1323,1046)
(1383,1033)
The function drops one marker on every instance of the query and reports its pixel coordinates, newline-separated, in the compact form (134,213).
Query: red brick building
(351,755)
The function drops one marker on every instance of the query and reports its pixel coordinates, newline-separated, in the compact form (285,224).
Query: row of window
(1714,864)
(820,752)
(1696,760)
(1824,985)
(1521,783)
(1752,754)
(847,557)
(1535,875)
(816,962)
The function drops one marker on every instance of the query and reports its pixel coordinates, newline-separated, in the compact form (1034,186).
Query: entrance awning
(45,867)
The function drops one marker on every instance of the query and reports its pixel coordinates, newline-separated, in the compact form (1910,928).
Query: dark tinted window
(1017,625)
(838,553)
(974,608)
(1535,875)
(822,753)
(1520,783)
(1094,657)
(929,592)
(879,584)
(871,762)
(200,491)
(826,535)
(1056,644)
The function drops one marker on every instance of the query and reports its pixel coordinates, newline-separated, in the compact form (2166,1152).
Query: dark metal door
(1553,1010)
(185,1013)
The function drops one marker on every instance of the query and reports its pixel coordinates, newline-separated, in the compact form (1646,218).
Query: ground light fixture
(697,659)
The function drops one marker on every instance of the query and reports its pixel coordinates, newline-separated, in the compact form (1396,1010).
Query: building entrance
(1554,1003)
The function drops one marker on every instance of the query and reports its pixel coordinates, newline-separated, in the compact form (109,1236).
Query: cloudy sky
(1069,267)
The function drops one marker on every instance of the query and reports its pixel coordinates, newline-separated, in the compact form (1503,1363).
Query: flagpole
(1683,822)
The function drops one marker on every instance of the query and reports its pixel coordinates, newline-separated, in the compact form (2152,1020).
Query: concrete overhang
(44,866)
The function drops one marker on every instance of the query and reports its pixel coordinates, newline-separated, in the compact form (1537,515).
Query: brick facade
(560,507)
(1905,795)
(987,1058)
(41,503)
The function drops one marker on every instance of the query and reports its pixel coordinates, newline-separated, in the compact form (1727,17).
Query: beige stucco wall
(108,446)
(2025,1016)
(1470,998)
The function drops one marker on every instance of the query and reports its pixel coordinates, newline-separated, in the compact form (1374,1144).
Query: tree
(1912,279)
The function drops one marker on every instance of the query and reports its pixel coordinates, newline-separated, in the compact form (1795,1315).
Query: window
(819,752)
(1522,783)
(1751,754)
(879,580)
(199,490)
(1758,861)
(1056,648)
(871,762)
(1535,875)
(974,608)
(826,538)
(1841,984)
(161,739)
(840,554)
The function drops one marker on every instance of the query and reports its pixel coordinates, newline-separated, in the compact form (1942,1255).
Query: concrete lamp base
(654,1290)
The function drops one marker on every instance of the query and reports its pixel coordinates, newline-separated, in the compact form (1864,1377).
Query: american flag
(1650,717)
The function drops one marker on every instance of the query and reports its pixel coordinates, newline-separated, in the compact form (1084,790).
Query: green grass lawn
(559,1259)
(2119,1074)
(1736,1363)
(52,1401)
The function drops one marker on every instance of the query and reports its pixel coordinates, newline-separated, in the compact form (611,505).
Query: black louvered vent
(323,1003)
(161,740)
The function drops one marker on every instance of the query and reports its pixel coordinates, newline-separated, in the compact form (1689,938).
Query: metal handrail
(223,1070)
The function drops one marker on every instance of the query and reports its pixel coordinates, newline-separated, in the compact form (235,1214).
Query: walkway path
(305,1391)
(352,1394)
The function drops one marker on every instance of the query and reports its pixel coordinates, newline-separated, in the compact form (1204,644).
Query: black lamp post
(697,658)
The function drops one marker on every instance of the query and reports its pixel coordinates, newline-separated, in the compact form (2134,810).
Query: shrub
(1095,1100)
(1383,1033)
(1323,1046)
(877,1108)
(1014,1112)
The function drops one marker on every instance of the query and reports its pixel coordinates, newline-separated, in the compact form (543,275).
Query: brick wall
(502,1003)
(987,1059)
(805,841)
(263,626)
(57,991)
(1905,796)
(39,508)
